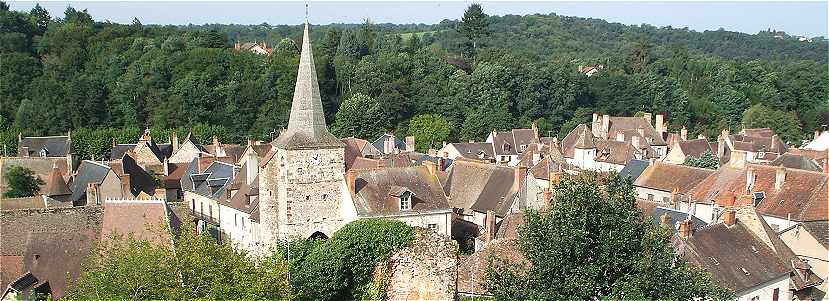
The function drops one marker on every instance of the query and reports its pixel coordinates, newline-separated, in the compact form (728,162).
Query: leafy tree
(194,267)
(783,123)
(429,130)
(287,46)
(41,18)
(581,115)
(360,116)
(594,244)
(341,267)
(705,160)
(4,6)
(474,24)
(22,182)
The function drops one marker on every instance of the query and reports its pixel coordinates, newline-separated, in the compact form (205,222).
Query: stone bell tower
(301,179)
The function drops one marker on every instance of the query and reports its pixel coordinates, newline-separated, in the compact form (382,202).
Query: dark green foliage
(341,268)
(594,244)
(22,182)
(360,116)
(705,160)
(72,73)
(783,123)
(193,267)
(429,130)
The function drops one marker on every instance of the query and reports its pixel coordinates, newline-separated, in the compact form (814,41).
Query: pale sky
(795,18)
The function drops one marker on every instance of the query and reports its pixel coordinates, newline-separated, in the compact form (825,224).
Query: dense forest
(471,75)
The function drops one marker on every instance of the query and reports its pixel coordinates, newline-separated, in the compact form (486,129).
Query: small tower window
(406,201)
(43,152)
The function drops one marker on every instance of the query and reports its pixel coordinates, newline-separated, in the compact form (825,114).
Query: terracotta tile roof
(635,123)
(144,220)
(376,190)
(12,268)
(696,147)
(758,132)
(15,226)
(615,152)
(508,227)
(55,256)
(733,255)
(802,196)
(666,177)
(30,202)
(820,230)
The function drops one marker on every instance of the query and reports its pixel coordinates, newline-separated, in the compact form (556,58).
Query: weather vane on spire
(306,12)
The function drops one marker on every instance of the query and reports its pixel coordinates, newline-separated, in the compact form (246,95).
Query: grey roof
(676,216)
(790,160)
(306,126)
(481,187)
(473,150)
(55,146)
(119,150)
(633,169)
(88,172)
(379,145)
(140,180)
(212,182)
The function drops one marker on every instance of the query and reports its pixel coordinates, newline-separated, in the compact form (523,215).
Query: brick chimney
(126,184)
(215,140)
(683,133)
(596,124)
(442,161)
(648,118)
(410,143)
(489,225)
(686,228)
(520,175)
(351,182)
(779,177)
(166,167)
(675,195)
(665,220)
(388,144)
(729,217)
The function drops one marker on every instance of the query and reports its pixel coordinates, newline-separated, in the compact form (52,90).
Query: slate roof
(88,172)
(771,144)
(733,255)
(790,160)
(473,150)
(584,139)
(675,216)
(820,230)
(119,150)
(378,143)
(481,187)
(140,180)
(306,126)
(666,177)
(55,146)
(246,197)
(633,169)
(377,191)
(212,182)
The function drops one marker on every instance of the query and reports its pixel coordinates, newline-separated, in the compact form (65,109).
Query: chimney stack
(442,161)
(817,133)
(729,217)
(535,132)
(490,226)
(605,125)
(686,229)
(388,145)
(174,141)
(410,143)
(665,220)
(351,181)
(166,166)
(660,123)
(520,175)
(750,177)
(779,177)
(648,118)
(635,142)
(683,133)
(252,169)
(620,136)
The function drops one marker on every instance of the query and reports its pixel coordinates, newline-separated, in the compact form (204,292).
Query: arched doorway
(317,235)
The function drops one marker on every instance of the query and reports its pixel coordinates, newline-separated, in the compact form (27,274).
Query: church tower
(301,180)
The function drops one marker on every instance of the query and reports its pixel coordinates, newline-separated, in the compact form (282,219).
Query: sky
(795,18)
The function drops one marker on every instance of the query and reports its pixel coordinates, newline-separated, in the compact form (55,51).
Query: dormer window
(404,196)
(506,147)
(523,148)
(481,155)
(43,152)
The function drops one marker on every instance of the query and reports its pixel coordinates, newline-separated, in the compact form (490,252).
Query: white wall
(662,197)
(442,220)
(707,212)
(777,223)
(239,228)
(766,290)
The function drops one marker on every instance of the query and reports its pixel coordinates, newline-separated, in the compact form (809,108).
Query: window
(235,219)
(43,152)
(210,209)
(650,197)
(406,201)
(243,222)
(523,147)
(193,205)
(666,200)
(201,207)
(433,227)
(775,295)
(507,147)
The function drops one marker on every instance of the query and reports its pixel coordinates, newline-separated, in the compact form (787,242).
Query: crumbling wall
(426,270)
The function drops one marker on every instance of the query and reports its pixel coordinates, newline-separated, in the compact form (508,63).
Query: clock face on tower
(315,159)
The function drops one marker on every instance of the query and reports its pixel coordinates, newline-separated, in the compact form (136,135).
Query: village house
(820,142)
(146,152)
(476,151)
(810,242)
(796,161)
(205,184)
(388,144)
(760,145)
(260,48)
(665,184)
(482,192)
(508,146)
(590,70)
(59,147)
(683,149)
(583,150)
(745,255)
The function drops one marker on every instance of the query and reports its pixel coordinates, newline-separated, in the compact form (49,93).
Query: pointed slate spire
(306,126)
(585,138)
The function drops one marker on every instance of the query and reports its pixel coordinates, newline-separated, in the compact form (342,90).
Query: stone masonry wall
(426,270)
